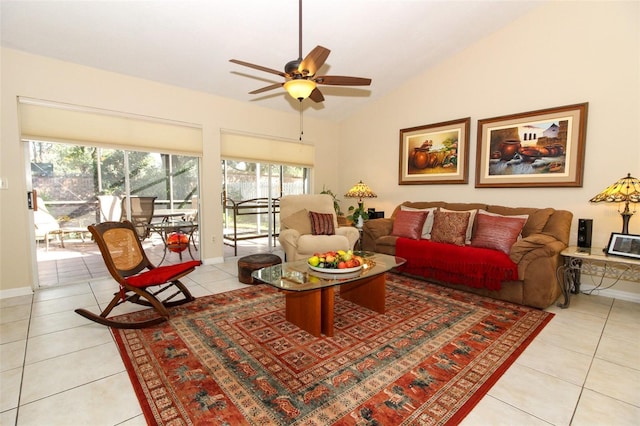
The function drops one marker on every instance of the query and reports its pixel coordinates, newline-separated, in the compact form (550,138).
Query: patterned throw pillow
(322,223)
(450,227)
(497,232)
(409,224)
(472,215)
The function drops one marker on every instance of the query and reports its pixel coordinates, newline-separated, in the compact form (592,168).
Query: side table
(592,261)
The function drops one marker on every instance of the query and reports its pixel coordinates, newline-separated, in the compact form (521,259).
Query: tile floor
(582,369)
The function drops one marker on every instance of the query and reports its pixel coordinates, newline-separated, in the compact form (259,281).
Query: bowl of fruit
(335,262)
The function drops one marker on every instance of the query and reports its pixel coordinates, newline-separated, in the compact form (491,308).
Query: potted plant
(358,215)
(336,205)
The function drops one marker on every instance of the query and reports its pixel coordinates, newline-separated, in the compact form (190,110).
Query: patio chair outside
(142,209)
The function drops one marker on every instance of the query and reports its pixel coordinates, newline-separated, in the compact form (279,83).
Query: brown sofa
(537,254)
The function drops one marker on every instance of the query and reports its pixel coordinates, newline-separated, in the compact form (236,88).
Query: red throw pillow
(497,232)
(408,224)
(450,227)
(322,223)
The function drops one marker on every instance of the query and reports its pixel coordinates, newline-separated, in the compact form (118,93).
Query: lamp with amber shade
(360,190)
(625,190)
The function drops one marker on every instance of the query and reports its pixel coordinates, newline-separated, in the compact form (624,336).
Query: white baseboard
(612,292)
(15,292)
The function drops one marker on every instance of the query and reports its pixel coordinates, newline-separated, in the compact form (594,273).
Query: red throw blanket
(464,265)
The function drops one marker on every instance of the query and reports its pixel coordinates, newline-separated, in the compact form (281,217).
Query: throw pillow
(299,221)
(450,227)
(518,216)
(428,223)
(322,223)
(497,232)
(409,224)
(472,215)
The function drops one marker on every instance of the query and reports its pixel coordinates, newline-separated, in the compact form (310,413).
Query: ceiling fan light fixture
(300,88)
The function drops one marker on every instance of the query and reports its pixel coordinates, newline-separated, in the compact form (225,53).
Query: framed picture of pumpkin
(532,149)
(435,153)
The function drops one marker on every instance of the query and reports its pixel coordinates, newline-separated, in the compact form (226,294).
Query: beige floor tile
(15,313)
(597,409)
(592,305)
(55,322)
(8,417)
(224,285)
(10,388)
(12,354)
(61,291)
(63,342)
(108,401)
(622,330)
(54,375)
(491,411)
(543,396)
(63,304)
(199,291)
(136,421)
(12,331)
(556,361)
(625,311)
(614,380)
(15,301)
(619,351)
(575,331)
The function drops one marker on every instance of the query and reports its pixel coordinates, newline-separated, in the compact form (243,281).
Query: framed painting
(625,245)
(532,149)
(435,153)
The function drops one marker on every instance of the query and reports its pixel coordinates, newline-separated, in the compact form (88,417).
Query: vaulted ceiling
(189,43)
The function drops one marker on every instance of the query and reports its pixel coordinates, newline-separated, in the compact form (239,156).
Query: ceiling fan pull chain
(301,129)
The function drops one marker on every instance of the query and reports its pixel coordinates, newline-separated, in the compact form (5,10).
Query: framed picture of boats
(532,149)
(435,153)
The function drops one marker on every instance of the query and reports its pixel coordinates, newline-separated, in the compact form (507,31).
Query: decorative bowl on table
(335,262)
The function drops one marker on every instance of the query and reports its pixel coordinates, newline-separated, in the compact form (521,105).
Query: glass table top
(298,276)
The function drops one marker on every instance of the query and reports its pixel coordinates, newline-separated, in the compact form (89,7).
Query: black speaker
(373,214)
(585,227)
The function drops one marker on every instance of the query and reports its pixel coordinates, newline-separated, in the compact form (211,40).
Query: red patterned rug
(232,359)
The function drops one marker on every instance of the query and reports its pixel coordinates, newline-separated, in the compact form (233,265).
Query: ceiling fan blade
(258,67)
(314,60)
(338,80)
(316,95)
(266,89)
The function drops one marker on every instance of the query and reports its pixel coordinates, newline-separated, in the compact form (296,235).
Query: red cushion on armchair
(161,274)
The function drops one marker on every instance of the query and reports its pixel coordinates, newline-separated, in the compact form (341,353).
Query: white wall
(562,53)
(43,78)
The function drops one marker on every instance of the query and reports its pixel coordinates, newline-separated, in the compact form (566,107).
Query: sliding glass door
(71,181)
(250,197)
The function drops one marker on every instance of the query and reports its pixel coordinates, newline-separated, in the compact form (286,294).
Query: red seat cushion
(161,274)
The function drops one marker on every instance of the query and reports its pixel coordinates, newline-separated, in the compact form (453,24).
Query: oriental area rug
(233,359)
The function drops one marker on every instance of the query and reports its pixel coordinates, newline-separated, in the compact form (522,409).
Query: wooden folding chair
(137,276)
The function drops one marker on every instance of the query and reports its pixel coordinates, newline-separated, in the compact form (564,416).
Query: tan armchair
(296,237)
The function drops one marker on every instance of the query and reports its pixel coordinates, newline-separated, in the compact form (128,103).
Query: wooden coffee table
(309,295)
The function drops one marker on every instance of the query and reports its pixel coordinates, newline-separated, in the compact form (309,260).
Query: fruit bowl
(335,270)
(335,262)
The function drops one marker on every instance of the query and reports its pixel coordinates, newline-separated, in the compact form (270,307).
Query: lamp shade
(625,190)
(360,190)
(300,88)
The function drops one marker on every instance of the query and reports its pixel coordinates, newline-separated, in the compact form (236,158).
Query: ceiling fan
(300,74)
